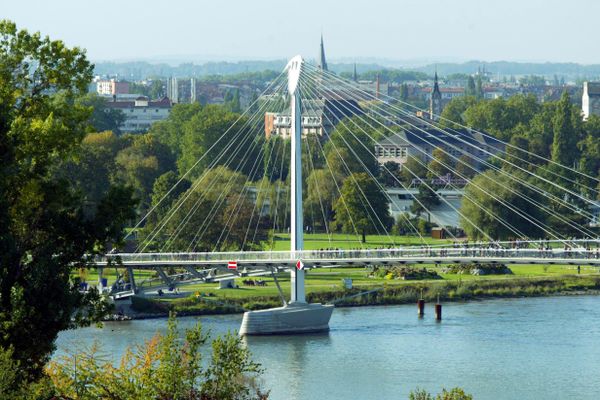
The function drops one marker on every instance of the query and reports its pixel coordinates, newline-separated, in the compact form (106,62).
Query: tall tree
(484,209)
(45,229)
(470,89)
(362,206)
(564,149)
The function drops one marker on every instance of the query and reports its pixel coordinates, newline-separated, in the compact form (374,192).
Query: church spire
(322,61)
(436,86)
(435,101)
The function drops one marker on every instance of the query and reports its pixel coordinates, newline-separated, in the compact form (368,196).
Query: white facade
(590,101)
(141,113)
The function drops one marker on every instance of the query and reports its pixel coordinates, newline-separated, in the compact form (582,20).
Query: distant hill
(143,69)
(504,68)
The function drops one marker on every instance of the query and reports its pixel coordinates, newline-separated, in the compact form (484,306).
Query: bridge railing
(491,252)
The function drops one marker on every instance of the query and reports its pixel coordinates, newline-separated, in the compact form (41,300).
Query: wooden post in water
(438,310)
(421,306)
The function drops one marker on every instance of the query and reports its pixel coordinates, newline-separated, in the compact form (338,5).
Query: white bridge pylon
(293,68)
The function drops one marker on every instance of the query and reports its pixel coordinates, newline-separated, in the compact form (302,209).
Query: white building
(141,113)
(111,87)
(590,101)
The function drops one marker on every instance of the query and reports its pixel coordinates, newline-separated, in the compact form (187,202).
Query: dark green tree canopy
(362,207)
(45,228)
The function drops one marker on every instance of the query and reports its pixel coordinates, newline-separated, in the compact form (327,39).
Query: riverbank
(406,293)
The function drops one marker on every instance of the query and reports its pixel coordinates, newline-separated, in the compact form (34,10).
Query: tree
(479,88)
(425,199)
(276,158)
(45,229)
(412,169)
(216,213)
(470,89)
(93,169)
(440,165)
(352,141)
(465,167)
(453,394)
(389,174)
(320,196)
(492,206)
(166,367)
(170,130)
(102,117)
(214,123)
(453,113)
(141,163)
(362,207)
(564,149)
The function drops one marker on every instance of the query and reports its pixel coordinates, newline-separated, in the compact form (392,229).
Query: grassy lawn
(328,279)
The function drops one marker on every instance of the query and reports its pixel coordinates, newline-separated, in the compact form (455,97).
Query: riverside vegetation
(325,287)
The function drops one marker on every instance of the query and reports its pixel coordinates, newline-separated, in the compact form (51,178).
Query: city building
(590,101)
(420,143)
(141,113)
(111,87)
(319,117)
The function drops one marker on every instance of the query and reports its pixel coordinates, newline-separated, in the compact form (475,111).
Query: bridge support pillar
(296,220)
(297,282)
(131,279)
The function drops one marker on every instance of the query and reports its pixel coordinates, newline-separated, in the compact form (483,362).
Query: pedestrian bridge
(252,260)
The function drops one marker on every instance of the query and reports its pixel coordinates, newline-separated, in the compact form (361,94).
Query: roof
(437,137)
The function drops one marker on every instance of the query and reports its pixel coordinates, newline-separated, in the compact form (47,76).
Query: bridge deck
(328,258)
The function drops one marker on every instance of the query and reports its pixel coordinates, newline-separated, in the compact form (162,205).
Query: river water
(535,348)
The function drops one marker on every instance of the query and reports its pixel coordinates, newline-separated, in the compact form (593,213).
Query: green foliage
(485,206)
(362,207)
(210,125)
(320,197)
(453,394)
(218,216)
(45,228)
(350,147)
(141,163)
(425,199)
(440,165)
(564,149)
(389,174)
(166,367)
(102,118)
(413,168)
(276,160)
(453,113)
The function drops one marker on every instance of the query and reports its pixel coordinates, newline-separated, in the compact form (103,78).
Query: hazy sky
(434,30)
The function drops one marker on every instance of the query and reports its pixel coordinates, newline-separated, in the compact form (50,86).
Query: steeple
(322,61)
(436,86)
(355,75)
(435,101)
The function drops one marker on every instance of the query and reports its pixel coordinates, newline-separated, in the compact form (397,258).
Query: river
(533,348)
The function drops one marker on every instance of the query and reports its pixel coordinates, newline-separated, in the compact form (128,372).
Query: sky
(413,31)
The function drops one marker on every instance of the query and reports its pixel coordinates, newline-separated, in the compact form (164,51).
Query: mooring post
(438,310)
(421,306)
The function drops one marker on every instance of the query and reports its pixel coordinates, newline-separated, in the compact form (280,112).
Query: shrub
(166,367)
